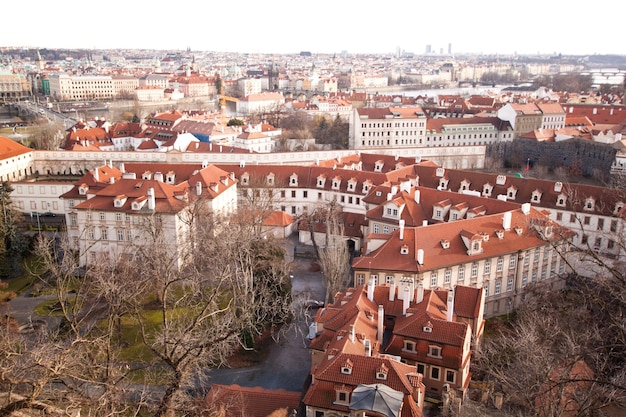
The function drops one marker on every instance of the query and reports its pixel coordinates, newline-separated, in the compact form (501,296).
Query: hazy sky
(322,26)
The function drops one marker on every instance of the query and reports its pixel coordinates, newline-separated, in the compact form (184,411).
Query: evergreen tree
(12,243)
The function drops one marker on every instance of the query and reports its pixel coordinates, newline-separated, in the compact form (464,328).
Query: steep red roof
(238,401)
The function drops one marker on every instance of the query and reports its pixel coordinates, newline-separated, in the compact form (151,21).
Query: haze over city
(280,26)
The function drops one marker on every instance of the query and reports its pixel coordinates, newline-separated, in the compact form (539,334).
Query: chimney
(406,300)
(424,222)
(526,208)
(122,168)
(420,256)
(381,321)
(370,289)
(351,333)
(450,311)
(210,146)
(389,195)
(416,197)
(392,290)
(198,188)
(420,293)
(158,176)
(506,220)
(112,180)
(401,229)
(96,174)
(368,347)
(110,163)
(151,199)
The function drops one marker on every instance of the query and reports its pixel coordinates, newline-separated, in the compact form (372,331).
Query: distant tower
(428,49)
(449,49)
(39,62)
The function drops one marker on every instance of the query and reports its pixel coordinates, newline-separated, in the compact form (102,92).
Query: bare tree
(333,256)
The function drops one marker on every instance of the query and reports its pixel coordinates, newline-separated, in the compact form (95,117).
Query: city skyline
(320,27)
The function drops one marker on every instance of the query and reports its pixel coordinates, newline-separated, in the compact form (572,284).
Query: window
(102,216)
(527,258)
(434,372)
(120,234)
(73,221)
(474,270)
(90,233)
(127,217)
(600,224)
(319,414)
(498,287)
(512,262)
(376,228)
(360,279)
(499,265)
(487,267)
(409,346)
(461,275)
(88,215)
(104,233)
(129,235)
(572,218)
(486,287)
(433,279)
(305,194)
(613,225)
(587,220)
(509,284)
(446,277)
(420,368)
(434,351)
(559,216)
(293,193)
(450,376)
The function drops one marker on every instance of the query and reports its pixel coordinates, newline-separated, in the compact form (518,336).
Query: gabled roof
(9,148)
(237,401)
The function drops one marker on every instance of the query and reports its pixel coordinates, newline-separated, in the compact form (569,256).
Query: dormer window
(434,351)
(293,180)
(590,203)
(465,184)
(270,179)
(500,233)
(443,184)
(618,207)
(428,328)
(146,175)
(409,346)
(351,184)
(342,395)
(445,244)
(381,372)
(501,179)
(336,183)
(379,193)
(82,190)
(378,166)
(346,368)
(518,230)
(558,186)
(366,187)
(404,250)
(476,245)
(170,177)
(245,178)
(119,201)
(560,200)
(536,196)
(487,189)
(440,172)
(321,181)
(511,192)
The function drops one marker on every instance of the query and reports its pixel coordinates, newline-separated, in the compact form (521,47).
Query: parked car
(49,214)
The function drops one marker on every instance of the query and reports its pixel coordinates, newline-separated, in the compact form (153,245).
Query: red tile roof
(9,148)
(238,401)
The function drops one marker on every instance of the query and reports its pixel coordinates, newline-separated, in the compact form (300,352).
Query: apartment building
(84,87)
(396,127)
(522,117)
(432,331)
(111,211)
(501,253)
(466,131)
(260,103)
